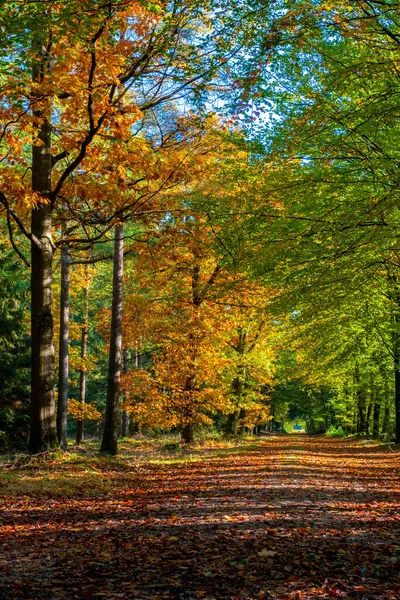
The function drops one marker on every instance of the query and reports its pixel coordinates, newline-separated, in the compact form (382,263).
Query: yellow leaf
(266,552)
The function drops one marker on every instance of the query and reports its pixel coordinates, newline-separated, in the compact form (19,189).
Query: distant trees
(335,147)
(14,349)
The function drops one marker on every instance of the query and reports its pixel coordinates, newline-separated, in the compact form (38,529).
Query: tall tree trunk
(190,383)
(80,425)
(110,435)
(371,404)
(63,366)
(43,428)
(188,433)
(386,420)
(361,402)
(376,416)
(242,416)
(361,411)
(188,427)
(327,414)
(232,423)
(349,406)
(238,383)
(125,415)
(368,418)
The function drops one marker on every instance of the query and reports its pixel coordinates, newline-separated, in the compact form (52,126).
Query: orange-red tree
(179,278)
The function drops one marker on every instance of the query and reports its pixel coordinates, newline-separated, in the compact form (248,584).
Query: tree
(251,348)
(183,326)
(80,434)
(110,436)
(63,361)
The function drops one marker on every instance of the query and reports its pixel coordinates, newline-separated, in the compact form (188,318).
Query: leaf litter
(302,517)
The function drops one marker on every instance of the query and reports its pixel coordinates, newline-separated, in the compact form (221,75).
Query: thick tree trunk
(188,433)
(232,423)
(188,428)
(43,429)
(63,367)
(110,436)
(361,412)
(80,426)
(242,416)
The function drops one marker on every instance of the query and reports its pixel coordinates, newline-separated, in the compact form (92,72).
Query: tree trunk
(361,411)
(125,424)
(43,428)
(188,428)
(125,415)
(188,433)
(368,418)
(242,416)
(80,426)
(232,423)
(361,402)
(62,405)
(386,420)
(110,435)
(376,416)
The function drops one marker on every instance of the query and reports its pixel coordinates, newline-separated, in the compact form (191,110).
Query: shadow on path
(300,517)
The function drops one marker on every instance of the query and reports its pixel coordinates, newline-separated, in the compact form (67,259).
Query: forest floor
(284,517)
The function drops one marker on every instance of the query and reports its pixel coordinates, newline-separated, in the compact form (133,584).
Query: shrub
(171,447)
(335,432)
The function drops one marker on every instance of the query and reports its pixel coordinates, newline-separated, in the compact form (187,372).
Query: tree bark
(376,416)
(188,433)
(188,427)
(80,426)
(63,365)
(361,402)
(242,416)
(361,425)
(368,418)
(232,423)
(43,428)
(238,383)
(110,435)
(386,420)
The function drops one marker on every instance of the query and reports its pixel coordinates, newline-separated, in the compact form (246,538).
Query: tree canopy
(245,156)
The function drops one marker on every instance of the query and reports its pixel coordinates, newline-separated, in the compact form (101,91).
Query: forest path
(288,517)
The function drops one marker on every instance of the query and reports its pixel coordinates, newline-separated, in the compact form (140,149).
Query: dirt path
(296,517)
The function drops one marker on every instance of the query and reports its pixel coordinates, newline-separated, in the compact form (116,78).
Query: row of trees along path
(290,517)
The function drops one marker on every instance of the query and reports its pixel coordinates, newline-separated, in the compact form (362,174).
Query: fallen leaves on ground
(292,517)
